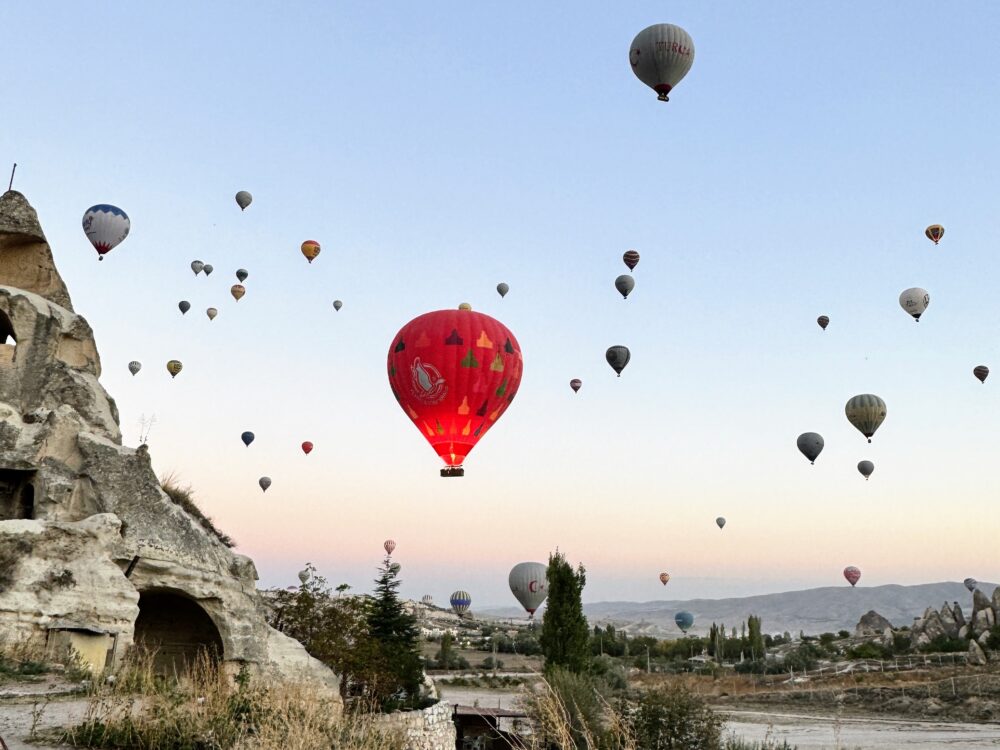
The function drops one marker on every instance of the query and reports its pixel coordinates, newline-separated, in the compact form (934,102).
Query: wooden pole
(10,185)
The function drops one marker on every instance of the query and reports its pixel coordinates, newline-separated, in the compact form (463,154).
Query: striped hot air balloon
(981,372)
(575,384)
(852,574)
(460,602)
(631,259)
(866,412)
(389,545)
(134,367)
(934,233)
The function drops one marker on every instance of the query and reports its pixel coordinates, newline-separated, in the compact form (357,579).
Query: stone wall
(429,729)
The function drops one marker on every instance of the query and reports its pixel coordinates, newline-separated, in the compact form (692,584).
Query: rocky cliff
(89,542)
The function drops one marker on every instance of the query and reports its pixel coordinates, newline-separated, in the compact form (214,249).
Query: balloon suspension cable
(10,185)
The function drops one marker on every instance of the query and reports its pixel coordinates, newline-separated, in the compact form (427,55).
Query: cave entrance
(7,335)
(17,494)
(177,629)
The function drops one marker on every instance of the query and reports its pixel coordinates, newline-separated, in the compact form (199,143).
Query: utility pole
(11,184)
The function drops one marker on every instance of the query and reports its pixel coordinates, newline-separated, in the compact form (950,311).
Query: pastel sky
(436,149)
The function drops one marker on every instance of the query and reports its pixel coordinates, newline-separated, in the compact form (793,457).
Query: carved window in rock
(17,495)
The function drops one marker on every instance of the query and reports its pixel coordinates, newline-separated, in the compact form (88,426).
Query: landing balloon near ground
(935,232)
(337,304)
(454,373)
(197,266)
(529,585)
(618,357)
(173,367)
(852,574)
(247,438)
(575,384)
(264,483)
(238,290)
(720,522)
(914,301)
(241,274)
(388,545)
(631,259)
(244,199)
(460,602)
(823,321)
(211,313)
(810,444)
(625,284)
(866,412)
(184,306)
(970,584)
(502,289)
(105,226)
(310,249)
(866,468)
(307,447)
(684,620)
(981,372)
(664,578)
(660,56)
(134,367)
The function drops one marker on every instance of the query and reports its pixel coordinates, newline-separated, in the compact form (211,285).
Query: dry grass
(183,496)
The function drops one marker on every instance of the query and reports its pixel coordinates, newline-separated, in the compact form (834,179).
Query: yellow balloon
(310,249)
(173,367)
(934,233)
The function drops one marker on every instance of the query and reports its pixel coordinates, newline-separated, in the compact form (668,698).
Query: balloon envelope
(310,249)
(211,313)
(914,301)
(241,274)
(502,289)
(625,284)
(664,578)
(247,438)
(720,522)
(575,384)
(460,602)
(208,269)
(454,373)
(337,304)
(934,233)
(810,444)
(981,372)
(197,266)
(631,259)
(134,367)
(238,290)
(388,545)
(852,574)
(173,367)
(866,412)
(264,483)
(303,576)
(618,357)
(529,585)
(866,468)
(823,321)
(307,447)
(684,621)
(970,584)
(184,306)
(427,599)
(243,199)
(660,56)
(105,226)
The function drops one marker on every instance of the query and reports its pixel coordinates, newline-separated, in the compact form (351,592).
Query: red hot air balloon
(307,447)
(852,574)
(454,373)
(389,546)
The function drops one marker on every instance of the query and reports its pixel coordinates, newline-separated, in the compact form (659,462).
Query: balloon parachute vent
(453,471)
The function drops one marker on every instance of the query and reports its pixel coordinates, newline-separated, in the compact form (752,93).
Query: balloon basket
(453,471)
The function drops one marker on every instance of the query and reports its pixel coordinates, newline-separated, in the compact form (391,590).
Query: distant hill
(830,608)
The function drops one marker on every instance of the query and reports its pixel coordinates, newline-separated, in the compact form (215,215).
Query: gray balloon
(264,483)
(866,468)
(196,266)
(971,583)
(243,199)
(241,274)
(618,357)
(502,289)
(625,284)
(208,269)
(337,304)
(810,445)
(184,306)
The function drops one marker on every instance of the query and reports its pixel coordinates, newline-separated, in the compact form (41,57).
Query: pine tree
(395,633)
(565,635)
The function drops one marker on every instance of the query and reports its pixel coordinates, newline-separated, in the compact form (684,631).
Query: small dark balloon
(631,259)
(241,274)
(810,444)
(981,372)
(184,306)
(823,321)
(618,357)
(575,384)
(624,284)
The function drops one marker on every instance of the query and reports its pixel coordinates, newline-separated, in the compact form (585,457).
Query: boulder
(982,621)
(934,626)
(948,620)
(871,623)
(956,610)
(979,603)
(976,656)
(996,603)
(25,256)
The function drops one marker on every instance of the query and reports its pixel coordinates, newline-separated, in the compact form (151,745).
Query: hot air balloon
(247,438)
(241,274)
(684,621)
(502,289)
(810,445)
(208,269)
(134,367)
(720,522)
(823,321)
(981,372)
(304,576)
(934,233)
(337,304)
(307,447)
(914,300)
(866,412)
(631,259)
(184,306)
(310,249)
(618,357)
(243,199)
(427,600)
(211,313)
(866,468)
(529,585)
(661,55)
(625,284)
(264,483)
(454,373)
(238,290)
(197,266)
(389,545)
(852,574)
(575,384)
(664,578)
(460,602)
(105,226)
(970,584)
(173,367)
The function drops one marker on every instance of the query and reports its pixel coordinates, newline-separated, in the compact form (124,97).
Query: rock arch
(177,629)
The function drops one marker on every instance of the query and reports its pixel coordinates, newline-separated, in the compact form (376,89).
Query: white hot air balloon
(529,585)
(660,56)
(914,300)
(105,226)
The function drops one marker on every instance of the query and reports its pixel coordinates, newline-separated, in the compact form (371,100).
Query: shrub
(869,650)
(842,634)
(993,639)
(674,719)
(944,644)
(183,496)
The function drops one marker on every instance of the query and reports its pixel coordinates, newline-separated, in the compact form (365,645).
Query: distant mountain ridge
(830,608)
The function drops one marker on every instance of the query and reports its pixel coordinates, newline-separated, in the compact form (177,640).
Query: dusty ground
(43,704)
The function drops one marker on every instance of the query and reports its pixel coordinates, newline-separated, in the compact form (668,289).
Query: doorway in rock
(7,335)
(176,629)
(17,494)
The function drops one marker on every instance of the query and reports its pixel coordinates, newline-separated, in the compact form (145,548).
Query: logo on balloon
(428,385)
(533,587)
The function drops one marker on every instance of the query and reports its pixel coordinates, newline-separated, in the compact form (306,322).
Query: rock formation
(950,622)
(89,542)
(872,623)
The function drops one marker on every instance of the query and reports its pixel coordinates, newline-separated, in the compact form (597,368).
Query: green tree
(445,654)
(396,635)
(755,638)
(565,638)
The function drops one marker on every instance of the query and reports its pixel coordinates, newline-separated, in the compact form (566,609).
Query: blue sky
(437,149)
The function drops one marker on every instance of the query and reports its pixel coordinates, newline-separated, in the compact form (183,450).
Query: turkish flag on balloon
(454,373)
